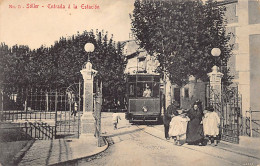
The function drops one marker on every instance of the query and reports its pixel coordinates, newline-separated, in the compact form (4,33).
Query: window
(144,78)
(177,94)
(132,79)
(253,12)
(186,93)
(132,90)
(144,89)
(144,86)
(156,91)
(156,79)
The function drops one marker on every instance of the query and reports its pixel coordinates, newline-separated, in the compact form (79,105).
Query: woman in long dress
(194,134)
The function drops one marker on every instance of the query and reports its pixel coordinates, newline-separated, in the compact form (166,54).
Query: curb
(236,151)
(18,157)
(75,161)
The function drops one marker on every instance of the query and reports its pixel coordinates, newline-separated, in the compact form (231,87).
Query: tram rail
(199,150)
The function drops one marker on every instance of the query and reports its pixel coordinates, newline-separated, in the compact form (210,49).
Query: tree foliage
(14,64)
(59,66)
(182,34)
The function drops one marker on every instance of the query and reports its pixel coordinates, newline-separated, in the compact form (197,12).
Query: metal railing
(28,104)
(229,107)
(39,130)
(28,131)
(252,123)
(34,108)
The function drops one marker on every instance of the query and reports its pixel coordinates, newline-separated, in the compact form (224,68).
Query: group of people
(199,126)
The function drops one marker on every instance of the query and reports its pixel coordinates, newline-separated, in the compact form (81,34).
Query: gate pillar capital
(215,84)
(215,76)
(88,73)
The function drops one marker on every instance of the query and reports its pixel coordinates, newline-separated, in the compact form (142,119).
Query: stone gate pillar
(215,85)
(168,97)
(87,119)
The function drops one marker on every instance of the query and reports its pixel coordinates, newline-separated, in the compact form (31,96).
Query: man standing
(168,114)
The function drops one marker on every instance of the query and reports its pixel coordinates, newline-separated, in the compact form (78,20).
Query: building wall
(254,50)
(132,65)
(188,94)
(195,90)
(243,18)
(244,30)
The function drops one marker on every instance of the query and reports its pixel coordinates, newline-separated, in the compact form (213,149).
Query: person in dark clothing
(194,134)
(74,109)
(168,114)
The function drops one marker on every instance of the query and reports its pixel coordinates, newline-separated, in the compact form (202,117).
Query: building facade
(243,17)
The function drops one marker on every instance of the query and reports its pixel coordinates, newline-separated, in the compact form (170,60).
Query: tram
(143,98)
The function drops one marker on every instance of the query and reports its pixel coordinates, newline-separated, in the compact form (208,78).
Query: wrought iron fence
(27,131)
(38,130)
(43,113)
(28,103)
(228,104)
(253,123)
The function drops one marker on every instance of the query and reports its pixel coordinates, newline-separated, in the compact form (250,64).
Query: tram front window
(144,89)
(147,92)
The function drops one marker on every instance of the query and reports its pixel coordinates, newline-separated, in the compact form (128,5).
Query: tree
(59,66)
(182,34)
(69,57)
(14,63)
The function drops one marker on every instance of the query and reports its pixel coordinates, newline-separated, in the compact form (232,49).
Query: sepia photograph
(129,82)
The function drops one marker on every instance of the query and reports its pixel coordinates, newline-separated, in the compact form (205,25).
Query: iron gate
(229,107)
(43,113)
(69,110)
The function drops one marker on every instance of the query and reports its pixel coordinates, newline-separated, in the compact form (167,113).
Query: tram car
(143,98)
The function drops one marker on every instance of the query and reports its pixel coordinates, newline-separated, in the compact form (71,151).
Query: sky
(43,26)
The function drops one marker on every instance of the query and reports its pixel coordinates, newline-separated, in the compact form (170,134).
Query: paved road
(144,145)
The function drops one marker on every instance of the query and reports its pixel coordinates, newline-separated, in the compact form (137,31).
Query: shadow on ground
(12,140)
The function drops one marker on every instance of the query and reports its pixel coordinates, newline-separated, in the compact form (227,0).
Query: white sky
(42,26)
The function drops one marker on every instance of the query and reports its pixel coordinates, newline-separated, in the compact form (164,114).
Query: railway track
(255,160)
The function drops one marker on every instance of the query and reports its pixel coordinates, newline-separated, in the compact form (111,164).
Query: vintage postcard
(129,82)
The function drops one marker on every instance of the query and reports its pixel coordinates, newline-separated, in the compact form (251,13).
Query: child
(211,122)
(178,126)
(115,119)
